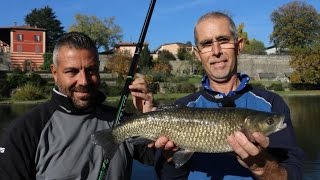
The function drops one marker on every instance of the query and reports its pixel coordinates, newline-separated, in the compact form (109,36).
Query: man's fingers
(262,140)
(236,146)
(161,142)
(248,146)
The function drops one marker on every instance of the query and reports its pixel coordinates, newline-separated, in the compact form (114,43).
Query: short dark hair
(77,40)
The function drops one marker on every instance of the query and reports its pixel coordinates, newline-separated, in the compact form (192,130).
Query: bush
(178,79)
(114,90)
(17,78)
(37,80)
(4,88)
(28,92)
(186,88)
(304,86)
(258,85)
(276,87)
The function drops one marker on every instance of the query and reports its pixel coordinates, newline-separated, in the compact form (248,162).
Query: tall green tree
(105,33)
(243,34)
(145,60)
(295,24)
(165,55)
(254,47)
(46,18)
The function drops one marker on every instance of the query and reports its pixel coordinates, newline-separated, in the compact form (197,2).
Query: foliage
(254,47)
(47,61)
(4,88)
(186,88)
(145,60)
(46,18)
(304,86)
(258,85)
(276,87)
(162,67)
(243,34)
(105,33)
(197,67)
(178,79)
(119,63)
(296,24)
(306,65)
(165,55)
(184,54)
(17,78)
(37,80)
(178,88)
(28,92)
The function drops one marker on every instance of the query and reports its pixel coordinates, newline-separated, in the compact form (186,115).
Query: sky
(172,20)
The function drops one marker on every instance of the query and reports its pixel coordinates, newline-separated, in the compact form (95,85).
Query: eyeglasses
(223,43)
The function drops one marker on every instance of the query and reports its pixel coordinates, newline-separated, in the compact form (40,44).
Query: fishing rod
(125,91)
(133,66)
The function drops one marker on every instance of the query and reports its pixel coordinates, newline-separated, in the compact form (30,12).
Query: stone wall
(253,65)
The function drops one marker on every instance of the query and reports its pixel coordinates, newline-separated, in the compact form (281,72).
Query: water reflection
(306,121)
(305,116)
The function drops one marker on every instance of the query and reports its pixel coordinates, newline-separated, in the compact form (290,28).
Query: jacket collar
(244,80)
(65,104)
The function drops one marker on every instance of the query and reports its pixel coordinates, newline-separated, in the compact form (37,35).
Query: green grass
(195,79)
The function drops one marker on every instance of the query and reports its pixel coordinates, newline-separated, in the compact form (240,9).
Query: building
(25,45)
(127,47)
(173,48)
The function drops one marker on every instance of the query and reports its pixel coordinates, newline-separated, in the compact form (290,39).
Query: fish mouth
(281,124)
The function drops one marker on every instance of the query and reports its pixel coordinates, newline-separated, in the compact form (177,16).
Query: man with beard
(52,141)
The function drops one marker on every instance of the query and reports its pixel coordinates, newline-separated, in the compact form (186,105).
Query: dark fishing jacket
(223,165)
(52,141)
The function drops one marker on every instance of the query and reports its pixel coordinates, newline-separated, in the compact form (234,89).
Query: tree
(145,60)
(119,63)
(306,64)
(254,47)
(105,33)
(46,18)
(296,24)
(243,34)
(47,61)
(184,54)
(162,67)
(165,55)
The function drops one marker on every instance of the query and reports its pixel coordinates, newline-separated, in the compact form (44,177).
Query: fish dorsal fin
(181,157)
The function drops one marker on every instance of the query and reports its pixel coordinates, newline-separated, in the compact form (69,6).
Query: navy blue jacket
(223,165)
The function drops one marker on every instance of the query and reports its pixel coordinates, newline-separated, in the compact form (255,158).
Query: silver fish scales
(198,129)
(192,129)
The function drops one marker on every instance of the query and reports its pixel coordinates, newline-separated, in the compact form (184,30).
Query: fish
(191,129)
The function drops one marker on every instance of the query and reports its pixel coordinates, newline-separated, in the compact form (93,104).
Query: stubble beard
(83,102)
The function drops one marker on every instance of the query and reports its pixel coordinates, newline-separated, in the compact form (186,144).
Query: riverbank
(160,97)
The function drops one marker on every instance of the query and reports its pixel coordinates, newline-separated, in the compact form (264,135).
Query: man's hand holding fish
(254,156)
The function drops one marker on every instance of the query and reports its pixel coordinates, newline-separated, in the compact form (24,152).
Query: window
(37,38)
(19,48)
(37,49)
(20,37)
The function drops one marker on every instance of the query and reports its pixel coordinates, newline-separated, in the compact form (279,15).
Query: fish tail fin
(105,139)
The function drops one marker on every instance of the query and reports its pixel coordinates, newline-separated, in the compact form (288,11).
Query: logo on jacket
(2,149)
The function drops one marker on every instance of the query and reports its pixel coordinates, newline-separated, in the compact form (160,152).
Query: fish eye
(270,121)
